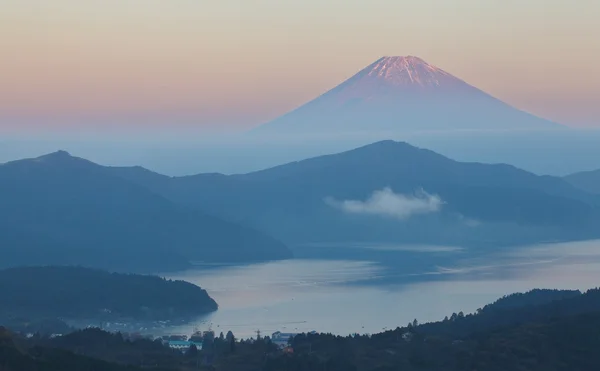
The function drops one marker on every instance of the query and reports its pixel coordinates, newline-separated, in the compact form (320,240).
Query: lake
(359,295)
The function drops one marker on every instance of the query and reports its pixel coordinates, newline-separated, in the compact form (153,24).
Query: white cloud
(469,222)
(387,203)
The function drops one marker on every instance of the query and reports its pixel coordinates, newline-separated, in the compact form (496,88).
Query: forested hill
(532,298)
(542,330)
(14,358)
(75,292)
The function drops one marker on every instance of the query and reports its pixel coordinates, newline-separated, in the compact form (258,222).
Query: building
(183,345)
(281,339)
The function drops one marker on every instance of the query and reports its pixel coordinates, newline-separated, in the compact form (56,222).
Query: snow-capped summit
(406,70)
(402,94)
(394,76)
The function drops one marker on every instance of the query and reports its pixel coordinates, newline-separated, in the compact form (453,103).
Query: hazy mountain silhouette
(588,181)
(59,209)
(390,191)
(402,94)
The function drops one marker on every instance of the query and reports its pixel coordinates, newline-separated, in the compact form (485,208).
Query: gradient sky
(236,63)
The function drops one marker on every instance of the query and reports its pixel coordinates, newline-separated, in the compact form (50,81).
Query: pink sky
(234,63)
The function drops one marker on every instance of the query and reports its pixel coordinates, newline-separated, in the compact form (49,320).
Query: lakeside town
(196,340)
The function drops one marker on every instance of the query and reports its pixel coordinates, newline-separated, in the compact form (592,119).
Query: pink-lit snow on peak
(407,70)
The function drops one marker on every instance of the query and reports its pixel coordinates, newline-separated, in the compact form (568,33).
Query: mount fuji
(403,95)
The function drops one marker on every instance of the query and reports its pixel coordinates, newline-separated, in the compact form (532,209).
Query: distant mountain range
(588,181)
(398,95)
(399,98)
(58,209)
(389,192)
(63,210)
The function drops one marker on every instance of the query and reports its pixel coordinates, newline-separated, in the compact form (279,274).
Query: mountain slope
(401,94)
(391,191)
(588,181)
(58,209)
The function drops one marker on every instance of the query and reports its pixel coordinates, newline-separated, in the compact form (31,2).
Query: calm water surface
(348,296)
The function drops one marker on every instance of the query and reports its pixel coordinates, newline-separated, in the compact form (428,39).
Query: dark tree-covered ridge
(533,297)
(22,358)
(76,292)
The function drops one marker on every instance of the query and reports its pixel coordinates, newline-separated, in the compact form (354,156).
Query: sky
(234,64)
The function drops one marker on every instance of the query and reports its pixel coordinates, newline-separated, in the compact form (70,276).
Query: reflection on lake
(368,296)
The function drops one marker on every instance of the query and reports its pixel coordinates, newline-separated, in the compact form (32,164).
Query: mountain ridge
(588,181)
(306,199)
(63,210)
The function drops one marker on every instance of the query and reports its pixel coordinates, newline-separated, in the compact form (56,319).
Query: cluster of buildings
(281,339)
(183,343)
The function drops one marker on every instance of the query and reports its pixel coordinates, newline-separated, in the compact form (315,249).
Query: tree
(415,323)
(192,352)
(231,339)
(292,338)
(208,340)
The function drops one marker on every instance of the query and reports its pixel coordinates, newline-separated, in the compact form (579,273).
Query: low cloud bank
(389,204)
